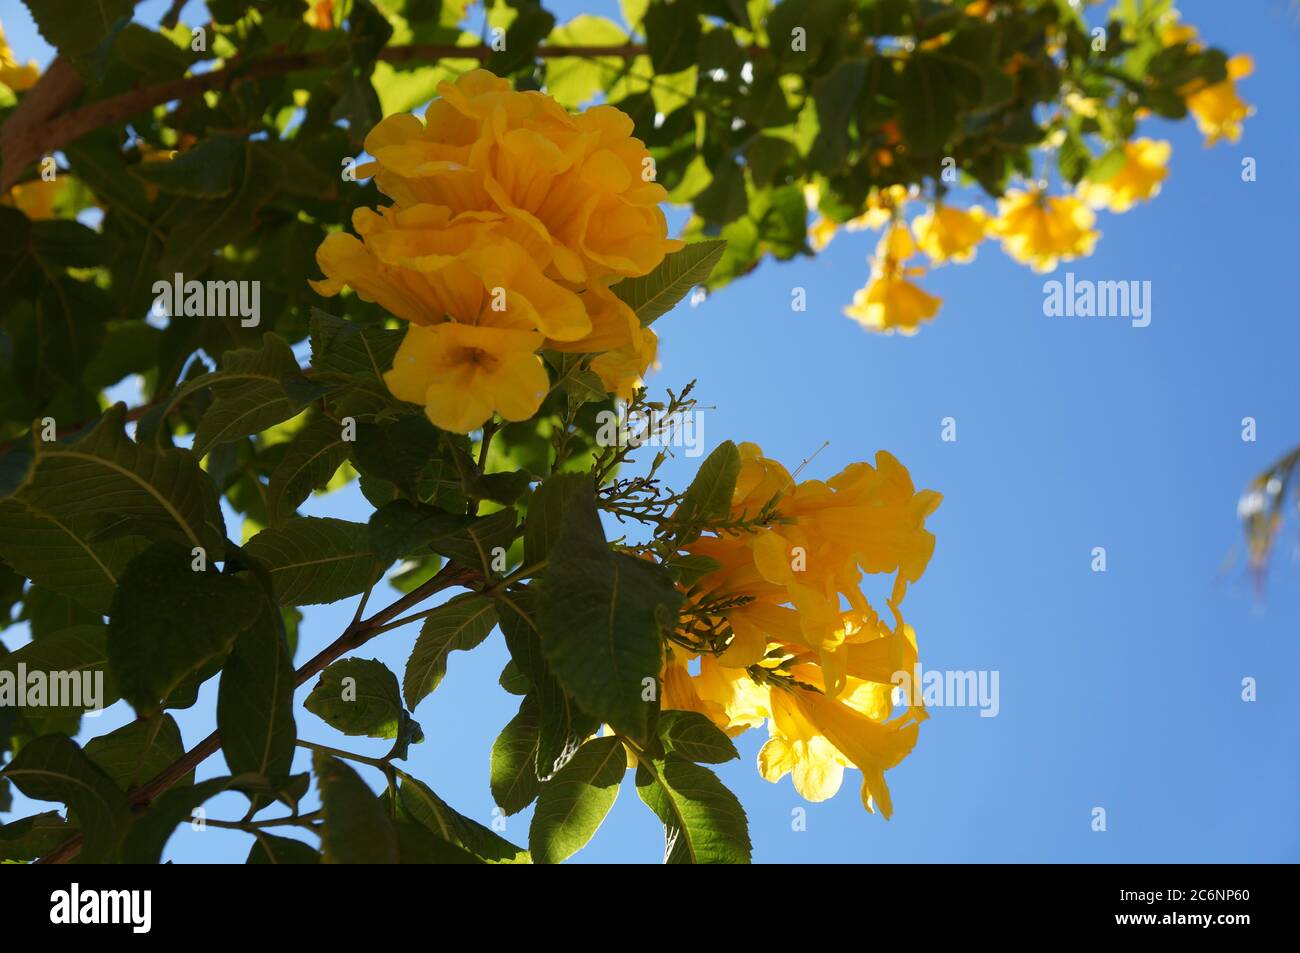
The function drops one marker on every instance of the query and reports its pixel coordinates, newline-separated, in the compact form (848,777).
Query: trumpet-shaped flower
(890,302)
(462,373)
(1139,179)
(946,233)
(1042,230)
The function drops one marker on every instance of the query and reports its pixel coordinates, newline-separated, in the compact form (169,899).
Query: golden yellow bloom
(576,192)
(1145,162)
(881,205)
(461,373)
(946,233)
(35,199)
(13,74)
(423,264)
(820,675)
(1218,110)
(1041,230)
(890,302)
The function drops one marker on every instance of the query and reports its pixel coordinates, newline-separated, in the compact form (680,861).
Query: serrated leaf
(513,775)
(79,657)
(599,618)
(460,624)
(248,393)
(709,495)
(311,460)
(345,347)
(316,559)
(270,849)
(369,704)
(209,170)
(691,736)
(105,476)
(255,699)
(356,829)
(703,821)
(30,837)
(562,725)
(654,295)
(168,620)
(573,804)
(139,751)
(53,768)
(433,813)
(76,27)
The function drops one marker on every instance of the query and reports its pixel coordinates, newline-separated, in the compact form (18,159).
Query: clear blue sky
(1119,690)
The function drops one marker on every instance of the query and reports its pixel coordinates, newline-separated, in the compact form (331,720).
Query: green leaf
(562,725)
(248,393)
(150,831)
(672,36)
(709,495)
(547,509)
(654,295)
(726,199)
(691,736)
(316,559)
(74,653)
(65,556)
(431,811)
(836,95)
(574,80)
(358,697)
(76,27)
(53,768)
(139,751)
(311,460)
(209,170)
(513,775)
(401,451)
(255,699)
(345,347)
(356,829)
(460,624)
(573,804)
(601,618)
(270,849)
(106,476)
(167,620)
(30,837)
(703,821)
(929,104)
(529,27)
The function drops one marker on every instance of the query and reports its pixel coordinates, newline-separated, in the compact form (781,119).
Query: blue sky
(1119,690)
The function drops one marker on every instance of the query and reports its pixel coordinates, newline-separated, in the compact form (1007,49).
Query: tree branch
(353,637)
(40,125)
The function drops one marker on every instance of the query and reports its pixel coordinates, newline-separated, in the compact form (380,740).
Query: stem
(346,755)
(353,637)
(301,820)
(40,126)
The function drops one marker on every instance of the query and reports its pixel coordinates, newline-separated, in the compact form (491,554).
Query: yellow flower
(1145,162)
(1041,230)
(946,233)
(423,264)
(814,737)
(1218,110)
(12,74)
(881,204)
(890,302)
(623,369)
(35,199)
(577,192)
(461,373)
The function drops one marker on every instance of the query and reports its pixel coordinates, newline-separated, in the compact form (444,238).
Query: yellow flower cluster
(1035,228)
(819,675)
(510,220)
(890,302)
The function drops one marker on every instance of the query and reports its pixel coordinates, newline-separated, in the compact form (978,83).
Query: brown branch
(40,125)
(354,636)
